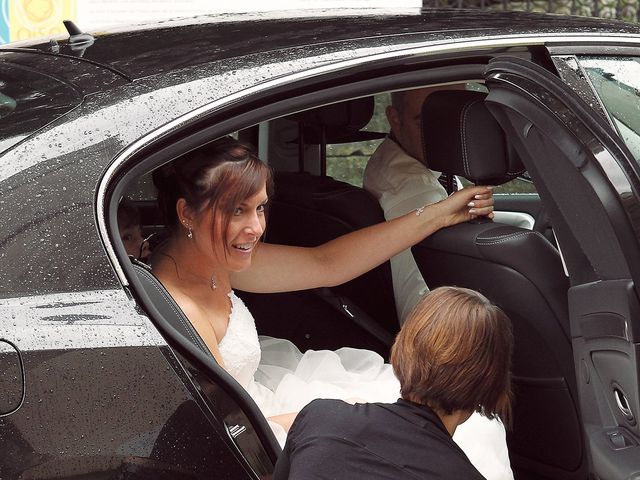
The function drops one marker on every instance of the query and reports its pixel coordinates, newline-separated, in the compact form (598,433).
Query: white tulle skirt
(287,380)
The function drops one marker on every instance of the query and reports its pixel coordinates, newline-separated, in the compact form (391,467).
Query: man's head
(404,116)
(454,354)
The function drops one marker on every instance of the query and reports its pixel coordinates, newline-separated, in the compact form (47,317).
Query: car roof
(147,49)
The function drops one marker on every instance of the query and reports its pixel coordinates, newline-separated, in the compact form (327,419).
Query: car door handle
(12,378)
(623,404)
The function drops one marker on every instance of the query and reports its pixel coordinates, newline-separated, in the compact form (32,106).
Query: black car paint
(103,397)
(162,47)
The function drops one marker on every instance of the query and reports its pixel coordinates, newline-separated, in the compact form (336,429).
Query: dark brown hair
(219,175)
(454,353)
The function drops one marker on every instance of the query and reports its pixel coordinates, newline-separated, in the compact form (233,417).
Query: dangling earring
(214,284)
(190,232)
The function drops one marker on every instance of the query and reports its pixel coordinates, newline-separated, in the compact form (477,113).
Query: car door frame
(552,126)
(271,99)
(164,145)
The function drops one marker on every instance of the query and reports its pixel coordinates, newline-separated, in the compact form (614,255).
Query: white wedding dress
(281,379)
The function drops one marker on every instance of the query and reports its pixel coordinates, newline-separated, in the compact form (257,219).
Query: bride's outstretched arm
(278,268)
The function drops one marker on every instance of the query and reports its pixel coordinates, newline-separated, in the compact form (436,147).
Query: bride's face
(246,226)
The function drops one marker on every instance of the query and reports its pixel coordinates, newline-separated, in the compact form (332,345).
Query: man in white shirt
(396,176)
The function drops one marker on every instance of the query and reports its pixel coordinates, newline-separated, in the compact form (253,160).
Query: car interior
(518,268)
(496,259)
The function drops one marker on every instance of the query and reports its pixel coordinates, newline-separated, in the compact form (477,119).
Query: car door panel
(566,146)
(156,428)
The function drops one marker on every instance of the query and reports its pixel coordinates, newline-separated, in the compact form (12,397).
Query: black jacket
(331,439)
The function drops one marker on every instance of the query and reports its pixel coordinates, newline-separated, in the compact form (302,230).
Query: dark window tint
(30,100)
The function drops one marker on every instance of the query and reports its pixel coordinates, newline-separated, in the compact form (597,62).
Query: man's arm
(408,284)
(415,192)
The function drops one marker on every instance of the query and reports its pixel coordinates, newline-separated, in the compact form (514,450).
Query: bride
(215,201)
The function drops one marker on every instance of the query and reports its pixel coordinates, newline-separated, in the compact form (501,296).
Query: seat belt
(449,182)
(355,314)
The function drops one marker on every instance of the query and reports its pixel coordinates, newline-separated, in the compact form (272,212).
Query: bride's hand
(466,204)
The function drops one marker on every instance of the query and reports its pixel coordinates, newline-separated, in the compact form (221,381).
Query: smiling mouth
(244,247)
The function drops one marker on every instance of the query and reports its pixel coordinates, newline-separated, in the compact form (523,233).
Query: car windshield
(30,100)
(617,82)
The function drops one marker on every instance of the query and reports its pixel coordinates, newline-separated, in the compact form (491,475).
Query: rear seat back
(308,210)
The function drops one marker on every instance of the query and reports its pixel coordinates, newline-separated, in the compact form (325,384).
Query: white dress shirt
(402,183)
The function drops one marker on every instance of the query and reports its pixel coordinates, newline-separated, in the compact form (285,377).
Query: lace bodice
(239,348)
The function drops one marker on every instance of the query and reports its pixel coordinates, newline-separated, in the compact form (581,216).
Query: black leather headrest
(341,121)
(461,137)
(349,204)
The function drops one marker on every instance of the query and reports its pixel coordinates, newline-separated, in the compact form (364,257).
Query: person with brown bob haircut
(452,358)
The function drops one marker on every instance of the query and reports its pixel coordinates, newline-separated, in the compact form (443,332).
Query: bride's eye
(237,211)
(261,208)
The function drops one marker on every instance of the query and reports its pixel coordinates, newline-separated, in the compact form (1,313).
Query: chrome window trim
(434,48)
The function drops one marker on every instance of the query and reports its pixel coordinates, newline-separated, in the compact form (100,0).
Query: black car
(100,374)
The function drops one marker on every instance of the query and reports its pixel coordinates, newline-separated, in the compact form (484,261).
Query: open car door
(589,183)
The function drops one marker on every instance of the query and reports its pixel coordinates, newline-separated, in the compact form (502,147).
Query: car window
(346,161)
(617,83)
(30,100)
(517,185)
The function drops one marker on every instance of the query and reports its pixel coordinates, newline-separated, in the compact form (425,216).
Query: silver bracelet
(420,210)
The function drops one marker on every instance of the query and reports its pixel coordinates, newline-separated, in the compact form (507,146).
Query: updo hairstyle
(218,176)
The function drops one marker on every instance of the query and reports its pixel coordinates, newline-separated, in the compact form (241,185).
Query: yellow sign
(39,18)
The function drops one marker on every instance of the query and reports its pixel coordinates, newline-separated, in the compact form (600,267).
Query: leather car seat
(323,208)
(517,269)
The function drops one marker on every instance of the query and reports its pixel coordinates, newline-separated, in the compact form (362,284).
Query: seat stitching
(490,237)
(463,129)
(462,140)
(170,300)
(505,238)
(422,138)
